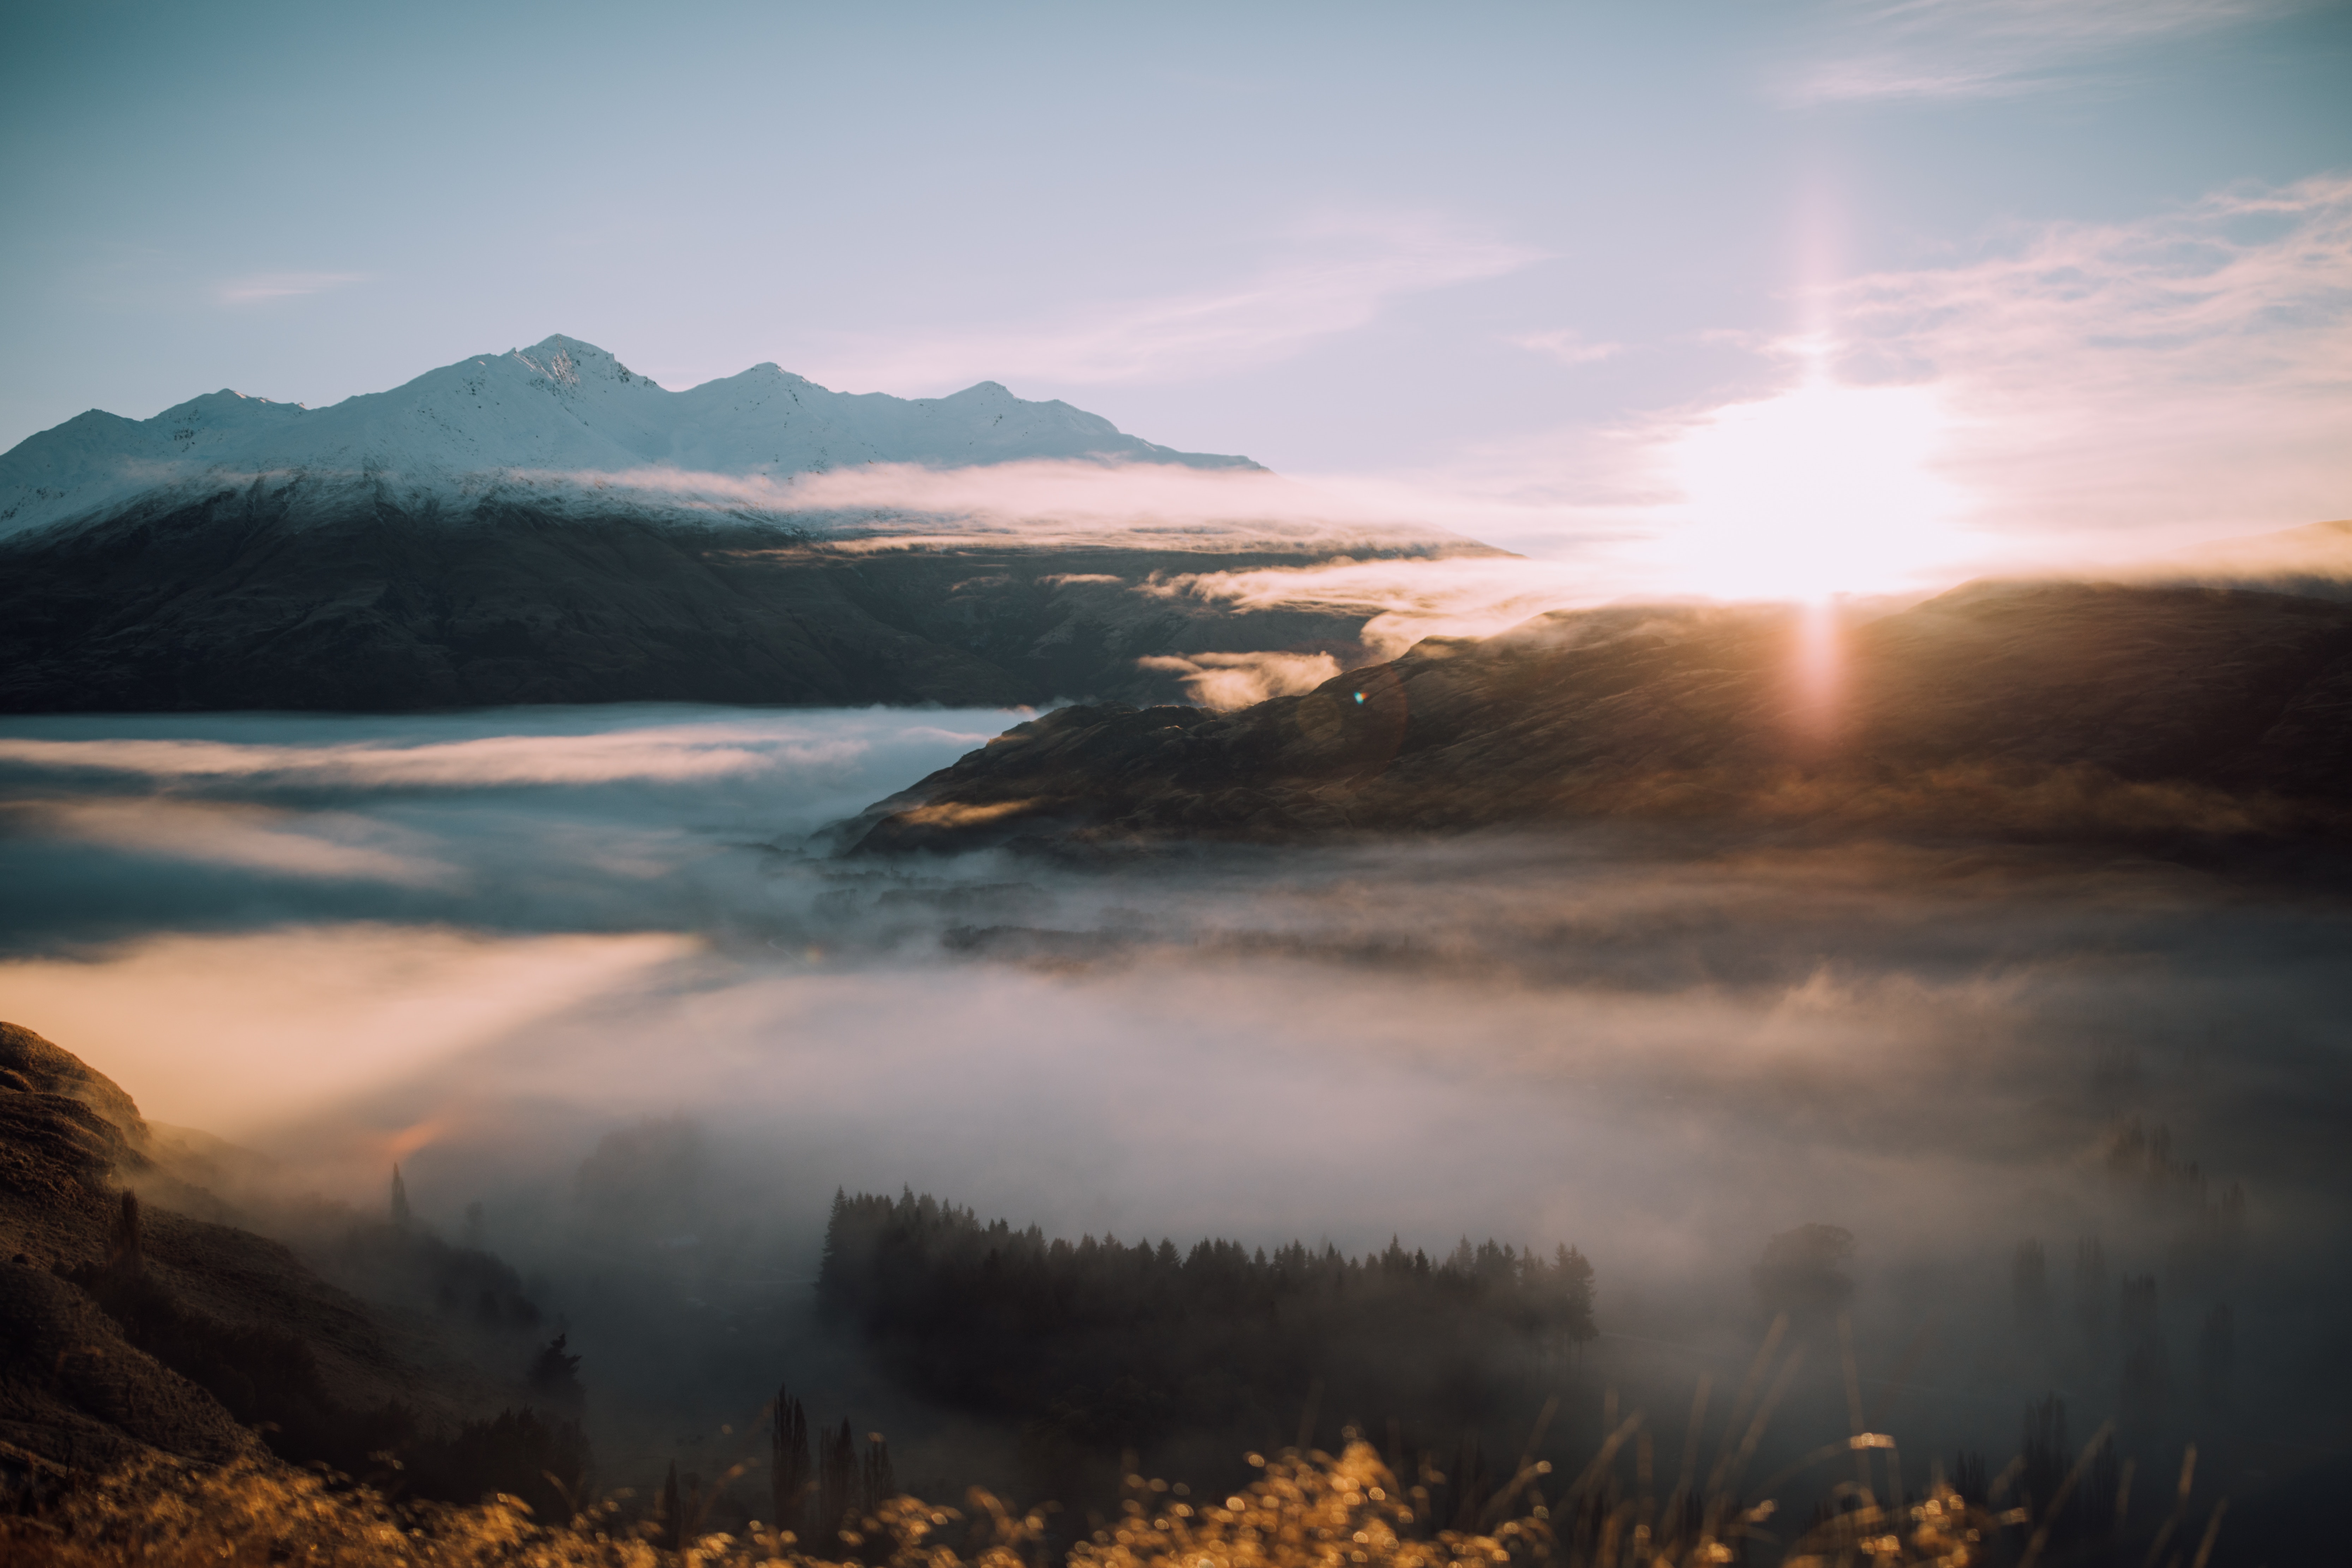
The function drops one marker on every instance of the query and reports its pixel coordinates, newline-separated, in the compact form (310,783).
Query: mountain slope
(548,526)
(2038,708)
(227,605)
(74,1387)
(134,1323)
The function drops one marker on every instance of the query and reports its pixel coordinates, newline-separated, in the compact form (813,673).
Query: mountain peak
(563,417)
(565,360)
(226,400)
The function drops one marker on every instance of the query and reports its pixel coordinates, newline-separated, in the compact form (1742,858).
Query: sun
(1822,489)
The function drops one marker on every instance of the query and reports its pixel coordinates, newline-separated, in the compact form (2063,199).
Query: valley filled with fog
(628,1017)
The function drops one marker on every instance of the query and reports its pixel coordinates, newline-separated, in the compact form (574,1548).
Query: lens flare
(1825,489)
(1818,671)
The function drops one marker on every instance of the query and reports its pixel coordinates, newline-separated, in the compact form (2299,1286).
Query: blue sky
(2087,265)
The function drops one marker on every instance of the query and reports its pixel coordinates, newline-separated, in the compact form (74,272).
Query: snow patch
(468,431)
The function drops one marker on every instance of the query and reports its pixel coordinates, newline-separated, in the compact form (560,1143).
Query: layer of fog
(589,970)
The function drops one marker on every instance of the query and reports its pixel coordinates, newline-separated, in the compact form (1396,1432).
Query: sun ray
(1823,488)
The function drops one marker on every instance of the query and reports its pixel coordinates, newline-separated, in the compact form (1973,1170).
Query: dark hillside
(129,1328)
(250,601)
(2052,711)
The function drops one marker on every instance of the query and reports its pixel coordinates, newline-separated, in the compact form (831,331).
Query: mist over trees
(1802,1271)
(1077,1365)
(269,1379)
(1101,1347)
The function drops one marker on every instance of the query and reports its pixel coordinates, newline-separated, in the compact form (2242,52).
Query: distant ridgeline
(548,525)
(1101,1347)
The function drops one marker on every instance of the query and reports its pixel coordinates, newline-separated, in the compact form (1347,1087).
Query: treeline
(2123,1325)
(1098,1347)
(397,1259)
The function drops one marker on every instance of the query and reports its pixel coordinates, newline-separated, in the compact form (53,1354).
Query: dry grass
(1315,1510)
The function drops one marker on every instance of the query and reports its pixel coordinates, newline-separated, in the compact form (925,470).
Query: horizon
(1051,501)
(1906,289)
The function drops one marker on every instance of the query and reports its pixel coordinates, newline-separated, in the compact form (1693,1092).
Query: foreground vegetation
(1312,1511)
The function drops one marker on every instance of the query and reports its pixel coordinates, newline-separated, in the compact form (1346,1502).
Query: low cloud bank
(613,820)
(1664,1052)
(1405,600)
(1230,681)
(232,1033)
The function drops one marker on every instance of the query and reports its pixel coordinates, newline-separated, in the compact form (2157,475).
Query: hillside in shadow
(135,1330)
(2049,710)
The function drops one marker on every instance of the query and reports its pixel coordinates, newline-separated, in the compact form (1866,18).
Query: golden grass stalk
(1303,1510)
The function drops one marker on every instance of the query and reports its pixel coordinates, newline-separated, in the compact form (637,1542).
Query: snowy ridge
(563,425)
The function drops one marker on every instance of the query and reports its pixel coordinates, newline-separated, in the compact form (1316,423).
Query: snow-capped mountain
(560,417)
(546,525)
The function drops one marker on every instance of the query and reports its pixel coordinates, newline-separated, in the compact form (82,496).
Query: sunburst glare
(1822,489)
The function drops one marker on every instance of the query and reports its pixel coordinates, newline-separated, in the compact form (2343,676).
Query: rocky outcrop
(2036,708)
(31,1066)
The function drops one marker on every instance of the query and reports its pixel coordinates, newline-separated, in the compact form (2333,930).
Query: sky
(1904,283)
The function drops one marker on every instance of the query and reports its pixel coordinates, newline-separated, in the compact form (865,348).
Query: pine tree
(671,1518)
(2095,1500)
(836,1484)
(2217,1349)
(1572,1273)
(2029,1284)
(2046,1456)
(2147,1374)
(555,1375)
(789,1482)
(124,1255)
(1470,1485)
(833,1283)
(399,1199)
(2091,1287)
(877,1482)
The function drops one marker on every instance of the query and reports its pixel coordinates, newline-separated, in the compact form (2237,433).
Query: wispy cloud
(1339,275)
(1990,49)
(1159,506)
(2192,370)
(1567,346)
(2070,395)
(1407,600)
(254,288)
(2065,394)
(326,846)
(1230,681)
(652,754)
